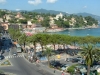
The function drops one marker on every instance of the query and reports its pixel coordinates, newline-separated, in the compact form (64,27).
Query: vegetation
(48,53)
(6,63)
(90,54)
(71,69)
(67,21)
(88,44)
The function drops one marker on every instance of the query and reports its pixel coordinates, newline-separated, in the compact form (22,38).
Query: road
(20,65)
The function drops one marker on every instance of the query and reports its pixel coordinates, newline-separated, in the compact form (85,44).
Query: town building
(59,16)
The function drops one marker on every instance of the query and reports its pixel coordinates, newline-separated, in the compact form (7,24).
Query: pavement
(51,70)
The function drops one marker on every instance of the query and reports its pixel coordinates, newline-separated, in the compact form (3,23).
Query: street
(20,65)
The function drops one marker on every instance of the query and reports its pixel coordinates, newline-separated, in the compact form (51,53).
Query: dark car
(1,57)
(75,60)
(59,51)
(55,64)
(69,59)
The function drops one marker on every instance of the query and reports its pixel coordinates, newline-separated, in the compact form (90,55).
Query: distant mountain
(49,11)
(88,14)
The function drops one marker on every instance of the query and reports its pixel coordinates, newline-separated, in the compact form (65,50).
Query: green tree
(23,39)
(90,54)
(14,33)
(48,53)
(42,39)
(45,22)
(33,39)
(54,39)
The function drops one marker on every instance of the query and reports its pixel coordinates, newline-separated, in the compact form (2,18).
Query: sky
(68,6)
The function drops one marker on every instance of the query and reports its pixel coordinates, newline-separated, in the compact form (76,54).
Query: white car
(15,54)
(64,67)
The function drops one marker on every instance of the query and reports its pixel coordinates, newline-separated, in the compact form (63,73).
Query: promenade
(51,70)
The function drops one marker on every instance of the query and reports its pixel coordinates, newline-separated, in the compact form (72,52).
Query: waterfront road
(21,66)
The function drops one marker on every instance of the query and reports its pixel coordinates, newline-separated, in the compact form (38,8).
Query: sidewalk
(51,70)
(46,69)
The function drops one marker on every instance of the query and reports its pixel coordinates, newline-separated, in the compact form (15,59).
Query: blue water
(81,32)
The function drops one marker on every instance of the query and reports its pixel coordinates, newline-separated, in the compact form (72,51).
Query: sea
(81,32)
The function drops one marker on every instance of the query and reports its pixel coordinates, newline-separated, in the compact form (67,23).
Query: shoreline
(63,29)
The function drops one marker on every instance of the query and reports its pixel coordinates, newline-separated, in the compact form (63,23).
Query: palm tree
(48,52)
(91,54)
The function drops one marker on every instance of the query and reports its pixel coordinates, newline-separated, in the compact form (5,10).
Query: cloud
(2,1)
(51,1)
(17,9)
(35,2)
(85,6)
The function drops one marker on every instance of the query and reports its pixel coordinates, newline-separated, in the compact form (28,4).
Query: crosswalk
(11,56)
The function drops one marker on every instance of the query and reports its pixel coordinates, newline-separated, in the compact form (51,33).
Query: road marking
(11,56)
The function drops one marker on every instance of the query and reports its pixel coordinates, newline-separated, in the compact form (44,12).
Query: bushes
(1,72)
(71,69)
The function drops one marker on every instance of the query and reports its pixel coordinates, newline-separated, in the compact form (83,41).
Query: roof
(18,45)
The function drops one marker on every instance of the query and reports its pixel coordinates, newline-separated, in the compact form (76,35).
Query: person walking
(62,73)
(54,70)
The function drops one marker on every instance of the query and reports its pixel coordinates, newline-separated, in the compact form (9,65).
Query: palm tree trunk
(74,43)
(42,47)
(48,60)
(34,56)
(88,70)
(64,46)
(24,44)
(54,46)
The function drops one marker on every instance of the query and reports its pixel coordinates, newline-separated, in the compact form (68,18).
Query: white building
(29,23)
(84,20)
(59,16)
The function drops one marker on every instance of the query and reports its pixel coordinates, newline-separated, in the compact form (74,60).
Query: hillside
(49,11)
(88,14)
(57,12)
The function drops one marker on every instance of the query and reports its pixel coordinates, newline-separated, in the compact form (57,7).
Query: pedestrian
(62,73)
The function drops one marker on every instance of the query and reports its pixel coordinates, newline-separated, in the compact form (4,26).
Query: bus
(18,48)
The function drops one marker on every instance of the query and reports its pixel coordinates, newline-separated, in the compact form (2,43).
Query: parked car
(69,59)
(79,57)
(74,60)
(55,64)
(1,57)
(64,67)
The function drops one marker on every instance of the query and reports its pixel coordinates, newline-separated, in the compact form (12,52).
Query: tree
(48,52)
(54,39)
(42,39)
(23,39)
(45,22)
(90,54)
(15,33)
(33,39)
(64,40)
